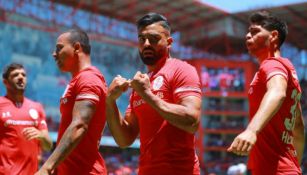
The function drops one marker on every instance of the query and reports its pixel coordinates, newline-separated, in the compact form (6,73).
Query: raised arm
(184,115)
(82,114)
(124,130)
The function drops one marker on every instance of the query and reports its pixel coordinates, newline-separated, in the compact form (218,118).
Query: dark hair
(77,35)
(270,23)
(9,68)
(151,18)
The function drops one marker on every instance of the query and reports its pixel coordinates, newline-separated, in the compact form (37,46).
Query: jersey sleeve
(42,124)
(90,87)
(271,68)
(186,82)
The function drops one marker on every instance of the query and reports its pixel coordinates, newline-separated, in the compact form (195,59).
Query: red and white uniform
(274,152)
(166,149)
(18,156)
(88,84)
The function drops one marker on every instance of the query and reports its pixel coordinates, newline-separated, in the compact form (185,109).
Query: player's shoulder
(276,60)
(180,64)
(3,99)
(270,63)
(90,72)
(32,102)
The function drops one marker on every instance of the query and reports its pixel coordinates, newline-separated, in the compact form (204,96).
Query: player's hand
(140,83)
(32,133)
(117,87)
(243,143)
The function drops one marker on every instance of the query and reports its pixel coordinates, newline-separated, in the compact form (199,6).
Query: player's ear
(77,47)
(274,36)
(5,82)
(169,41)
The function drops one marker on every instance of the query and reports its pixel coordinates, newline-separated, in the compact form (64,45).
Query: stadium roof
(182,14)
(190,16)
(296,17)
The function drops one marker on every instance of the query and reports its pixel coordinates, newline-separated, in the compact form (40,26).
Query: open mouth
(20,84)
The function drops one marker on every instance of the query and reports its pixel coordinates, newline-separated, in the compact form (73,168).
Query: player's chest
(68,99)
(23,117)
(160,86)
(257,85)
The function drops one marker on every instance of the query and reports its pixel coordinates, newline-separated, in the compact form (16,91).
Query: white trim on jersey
(277,73)
(87,96)
(186,89)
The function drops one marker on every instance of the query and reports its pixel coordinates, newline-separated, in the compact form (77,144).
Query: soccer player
(164,106)
(275,135)
(23,129)
(82,108)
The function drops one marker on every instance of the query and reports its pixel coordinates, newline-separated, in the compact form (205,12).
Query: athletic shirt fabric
(19,156)
(274,152)
(89,84)
(166,149)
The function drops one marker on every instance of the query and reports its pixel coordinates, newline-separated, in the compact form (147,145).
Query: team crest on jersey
(33,114)
(157,83)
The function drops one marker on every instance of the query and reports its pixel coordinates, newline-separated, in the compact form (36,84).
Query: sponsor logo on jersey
(33,114)
(157,83)
(21,122)
(138,103)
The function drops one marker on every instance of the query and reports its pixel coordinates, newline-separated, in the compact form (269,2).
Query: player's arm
(184,115)
(299,135)
(42,135)
(270,104)
(82,114)
(124,130)
(45,140)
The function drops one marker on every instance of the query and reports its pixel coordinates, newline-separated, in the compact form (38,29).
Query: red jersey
(274,152)
(166,149)
(88,84)
(18,155)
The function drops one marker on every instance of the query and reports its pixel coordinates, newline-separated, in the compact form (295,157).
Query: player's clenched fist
(117,87)
(140,83)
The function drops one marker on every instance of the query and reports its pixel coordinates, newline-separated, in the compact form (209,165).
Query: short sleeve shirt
(17,154)
(274,151)
(162,144)
(89,84)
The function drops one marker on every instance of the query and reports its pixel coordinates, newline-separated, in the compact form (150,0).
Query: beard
(153,59)
(149,60)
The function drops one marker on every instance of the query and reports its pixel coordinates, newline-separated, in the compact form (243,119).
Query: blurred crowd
(224,79)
